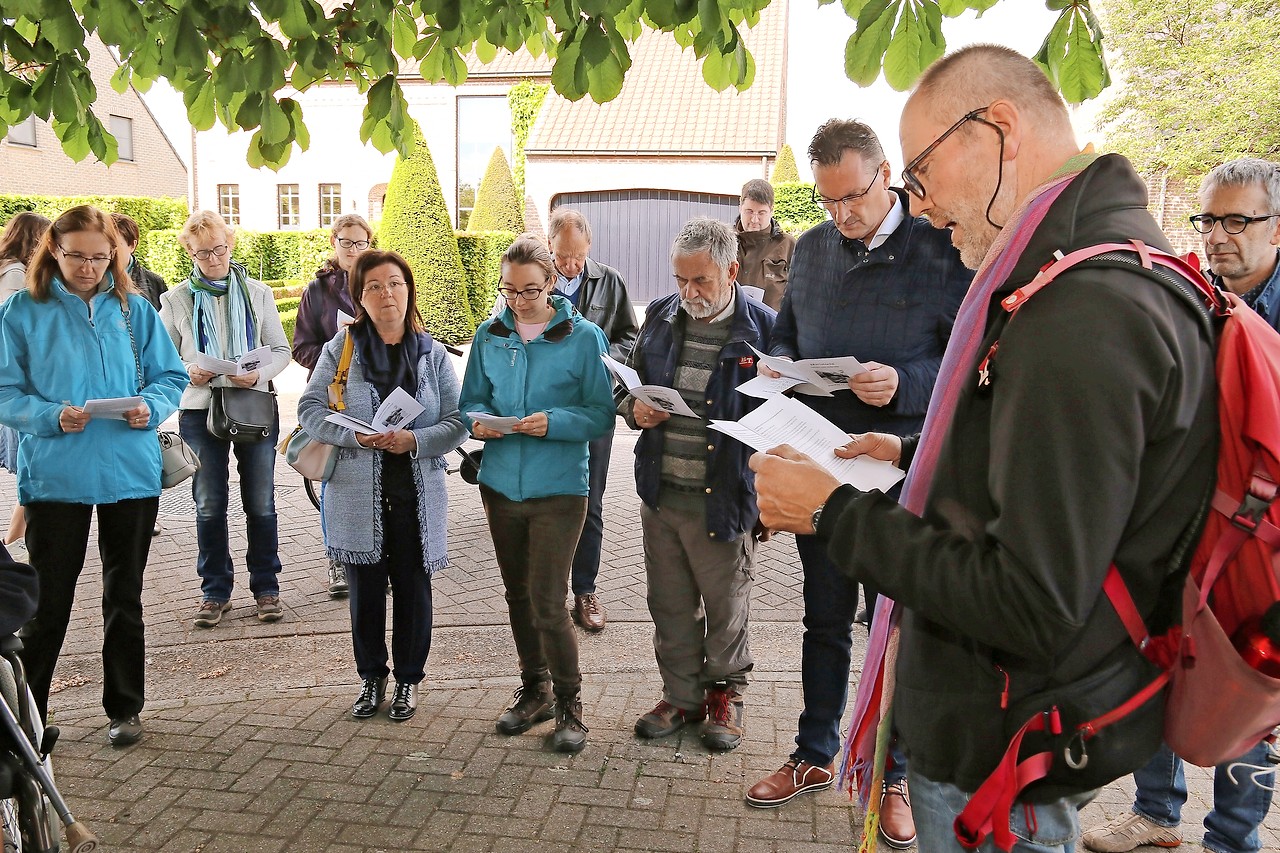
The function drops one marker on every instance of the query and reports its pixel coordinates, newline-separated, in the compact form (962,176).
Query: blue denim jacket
(1267,302)
(894,305)
(731,491)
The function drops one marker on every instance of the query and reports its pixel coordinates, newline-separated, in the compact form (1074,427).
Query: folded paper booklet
(819,377)
(497,423)
(653,396)
(247,363)
(396,412)
(785,420)
(111,407)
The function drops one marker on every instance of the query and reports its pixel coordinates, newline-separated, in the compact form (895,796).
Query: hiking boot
(371,695)
(666,719)
(724,727)
(533,704)
(788,782)
(1128,832)
(588,612)
(570,734)
(269,609)
(897,825)
(338,587)
(210,613)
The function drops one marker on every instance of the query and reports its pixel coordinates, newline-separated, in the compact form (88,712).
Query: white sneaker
(1129,831)
(337,580)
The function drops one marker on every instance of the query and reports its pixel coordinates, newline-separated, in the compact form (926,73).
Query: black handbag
(242,415)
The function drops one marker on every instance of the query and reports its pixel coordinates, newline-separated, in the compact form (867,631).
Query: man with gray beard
(699,515)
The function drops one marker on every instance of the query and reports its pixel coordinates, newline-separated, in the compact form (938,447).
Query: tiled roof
(666,107)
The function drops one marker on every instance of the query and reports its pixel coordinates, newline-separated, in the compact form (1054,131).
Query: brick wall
(156,169)
(1171,202)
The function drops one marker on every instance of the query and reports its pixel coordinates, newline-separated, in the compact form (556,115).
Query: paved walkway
(249,746)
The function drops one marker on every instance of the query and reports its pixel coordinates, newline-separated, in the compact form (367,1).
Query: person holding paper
(79,332)
(396,477)
(698,510)
(877,283)
(764,249)
(221,312)
(324,299)
(538,361)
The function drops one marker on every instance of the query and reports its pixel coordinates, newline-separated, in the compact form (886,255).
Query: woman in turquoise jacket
(538,361)
(81,333)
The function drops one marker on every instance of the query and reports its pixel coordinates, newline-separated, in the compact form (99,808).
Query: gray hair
(567,217)
(704,234)
(837,136)
(1247,171)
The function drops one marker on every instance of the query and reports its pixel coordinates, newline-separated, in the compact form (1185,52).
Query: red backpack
(1217,706)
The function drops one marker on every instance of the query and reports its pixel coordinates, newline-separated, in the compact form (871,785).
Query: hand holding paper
(396,412)
(654,396)
(496,423)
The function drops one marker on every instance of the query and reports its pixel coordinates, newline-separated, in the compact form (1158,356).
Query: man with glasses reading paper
(876,283)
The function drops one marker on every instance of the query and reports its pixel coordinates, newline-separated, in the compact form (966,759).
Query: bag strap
(133,343)
(337,388)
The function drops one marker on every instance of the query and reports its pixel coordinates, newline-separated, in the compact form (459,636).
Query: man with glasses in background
(876,283)
(1240,224)
(598,293)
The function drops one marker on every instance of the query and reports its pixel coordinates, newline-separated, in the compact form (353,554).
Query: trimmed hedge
(284,288)
(784,168)
(286,257)
(150,213)
(289,319)
(482,263)
(497,208)
(793,203)
(415,223)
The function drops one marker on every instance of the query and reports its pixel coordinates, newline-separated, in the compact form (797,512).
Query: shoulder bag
(311,458)
(178,462)
(241,415)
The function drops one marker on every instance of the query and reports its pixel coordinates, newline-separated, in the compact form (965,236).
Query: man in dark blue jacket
(876,283)
(698,497)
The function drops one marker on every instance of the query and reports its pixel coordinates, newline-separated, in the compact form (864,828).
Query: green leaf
(455,67)
(564,73)
(1083,71)
(595,44)
(853,8)
(604,80)
(273,123)
(299,131)
(953,8)
(119,21)
(485,51)
(198,97)
(293,19)
(911,50)
(865,49)
(120,79)
(62,28)
(74,138)
(404,31)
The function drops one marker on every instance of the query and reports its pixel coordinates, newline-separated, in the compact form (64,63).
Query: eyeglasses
(528,295)
(204,254)
(390,287)
(909,179)
(1232,223)
(79,260)
(353,244)
(835,203)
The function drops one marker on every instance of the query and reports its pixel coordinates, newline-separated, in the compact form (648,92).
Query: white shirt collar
(890,224)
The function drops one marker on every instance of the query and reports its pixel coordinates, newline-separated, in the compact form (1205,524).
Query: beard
(971,233)
(702,309)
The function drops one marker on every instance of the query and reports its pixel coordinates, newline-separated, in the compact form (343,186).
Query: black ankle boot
(404,701)
(570,734)
(532,705)
(371,696)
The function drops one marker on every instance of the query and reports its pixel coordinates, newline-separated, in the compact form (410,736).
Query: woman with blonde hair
(78,333)
(219,311)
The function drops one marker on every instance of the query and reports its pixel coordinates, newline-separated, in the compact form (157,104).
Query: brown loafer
(789,781)
(589,612)
(897,826)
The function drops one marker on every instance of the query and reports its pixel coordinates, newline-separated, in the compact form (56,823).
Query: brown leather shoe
(788,781)
(588,612)
(897,826)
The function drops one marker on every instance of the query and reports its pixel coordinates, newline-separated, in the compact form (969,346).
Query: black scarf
(385,373)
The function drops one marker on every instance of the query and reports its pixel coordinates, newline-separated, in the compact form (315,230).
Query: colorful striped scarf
(240,317)
(866,746)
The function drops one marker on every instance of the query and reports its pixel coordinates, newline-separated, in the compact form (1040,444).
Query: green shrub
(289,319)
(285,288)
(150,213)
(525,100)
(497,208)
(784,168)
(482,262)
(160,252)
(415,223)
(793,202)
(288,303)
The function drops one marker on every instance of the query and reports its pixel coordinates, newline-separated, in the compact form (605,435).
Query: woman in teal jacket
(538,361)
(80,332)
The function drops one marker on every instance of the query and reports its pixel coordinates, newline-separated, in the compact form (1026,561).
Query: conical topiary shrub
(415,223)
(497,208)
(784,168)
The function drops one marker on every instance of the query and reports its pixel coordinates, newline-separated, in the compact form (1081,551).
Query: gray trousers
(700,600)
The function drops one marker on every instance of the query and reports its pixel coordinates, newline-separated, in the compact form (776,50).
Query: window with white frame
(24,133)
(121,128)
(229,203)
(330,203)
(288,206)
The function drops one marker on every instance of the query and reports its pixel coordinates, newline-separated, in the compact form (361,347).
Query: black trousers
(57,541)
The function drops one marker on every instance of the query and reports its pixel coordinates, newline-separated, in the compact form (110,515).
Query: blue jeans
(256,463)
(1238,809)
(935,806)
(586,558)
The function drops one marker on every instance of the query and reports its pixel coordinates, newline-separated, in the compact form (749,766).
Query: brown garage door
(632,230)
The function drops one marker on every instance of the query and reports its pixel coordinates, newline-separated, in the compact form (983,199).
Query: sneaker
(338,587)
(666,719)
(371,695)
(724,727)
(210,613)
(897,824)
(269,609)
(570,734)
(789,781)
(532,705)
(1129,831)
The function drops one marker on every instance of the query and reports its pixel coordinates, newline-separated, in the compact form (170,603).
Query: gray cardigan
(177,308)
(354,492)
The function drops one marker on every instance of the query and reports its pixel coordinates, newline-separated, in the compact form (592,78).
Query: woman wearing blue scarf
(396,478)
(221,312)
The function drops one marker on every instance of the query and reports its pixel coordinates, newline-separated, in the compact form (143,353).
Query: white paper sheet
(756,293)
(353,424)
(784,420)
(396,412)
(344,319)
(247,363)
(822,376)
(111,407)
(763,387)
(654,396)
(496,423)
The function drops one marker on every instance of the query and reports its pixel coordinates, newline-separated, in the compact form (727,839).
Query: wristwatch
(817,514)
